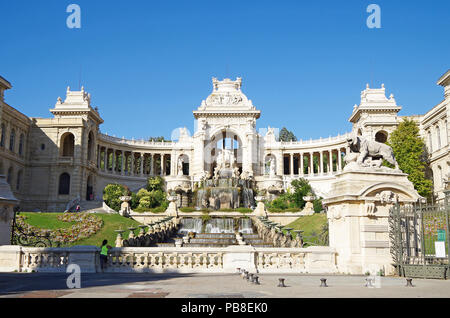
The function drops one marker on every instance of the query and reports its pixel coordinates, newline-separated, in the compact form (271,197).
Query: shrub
(155,184)
(318,205)
(142,193)
(112,194)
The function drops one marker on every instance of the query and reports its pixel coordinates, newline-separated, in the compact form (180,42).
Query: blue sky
(148,64)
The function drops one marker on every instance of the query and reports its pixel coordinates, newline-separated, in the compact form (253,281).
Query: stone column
(330,161)
(131,163)
(123,163)
(339,160)
(152,163)
(321,162)
(99,157)
(142,165)
(105,159)
(162,165)
(311,164)
(291,164)
(301,172)
(114,161)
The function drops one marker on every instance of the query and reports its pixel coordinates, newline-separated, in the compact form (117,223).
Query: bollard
(369,282)
(256,280)
(281,282)
(409,282)
(323,282)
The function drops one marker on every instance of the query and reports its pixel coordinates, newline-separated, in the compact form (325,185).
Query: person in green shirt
(104,254)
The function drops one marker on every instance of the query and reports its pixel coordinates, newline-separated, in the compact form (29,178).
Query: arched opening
(90,189)
(21,141)
(64,183)
(438,137)
(184,164)
(90,149)
(223,142)
(12,140)
(430,141)
(67,145)
(270,164)
(381,136)
(9,176)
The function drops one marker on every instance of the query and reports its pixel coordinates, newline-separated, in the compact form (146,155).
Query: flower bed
(86,225)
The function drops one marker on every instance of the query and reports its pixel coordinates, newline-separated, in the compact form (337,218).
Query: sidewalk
(44,285)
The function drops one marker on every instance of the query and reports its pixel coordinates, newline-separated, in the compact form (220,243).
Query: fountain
(227,189)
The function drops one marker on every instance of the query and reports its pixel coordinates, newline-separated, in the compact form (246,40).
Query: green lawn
(111,222)
(310,224)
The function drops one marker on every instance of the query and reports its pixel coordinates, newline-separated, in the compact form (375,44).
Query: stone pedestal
(260,207)
(7,204)
(172,209)
(358,216)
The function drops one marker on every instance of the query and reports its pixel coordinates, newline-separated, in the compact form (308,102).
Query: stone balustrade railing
(141,142)
(272,234)
(157,232)
(338,138)
(317,259)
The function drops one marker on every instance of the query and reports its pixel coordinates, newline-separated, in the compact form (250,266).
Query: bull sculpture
(369,153)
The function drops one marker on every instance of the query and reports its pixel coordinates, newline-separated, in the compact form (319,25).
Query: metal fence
(420,239)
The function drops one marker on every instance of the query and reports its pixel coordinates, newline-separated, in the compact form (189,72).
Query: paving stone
(45,294)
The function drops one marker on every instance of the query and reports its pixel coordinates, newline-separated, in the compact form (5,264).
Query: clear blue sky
(148,64)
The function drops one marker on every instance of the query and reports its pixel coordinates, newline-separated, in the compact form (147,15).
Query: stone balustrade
(318,259)
(157,232)
(272,235)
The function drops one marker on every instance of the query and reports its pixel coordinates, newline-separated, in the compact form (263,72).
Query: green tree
(411,155)
(158,139)
(286,135)
(112,194)
(301,188)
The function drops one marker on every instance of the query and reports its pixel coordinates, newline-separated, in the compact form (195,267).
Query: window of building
(21,141)
(430,141)
(438,137)
(12,139)
(2,138)
(67,145)
(64,183)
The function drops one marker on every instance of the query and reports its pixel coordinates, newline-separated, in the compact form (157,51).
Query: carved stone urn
(125,206)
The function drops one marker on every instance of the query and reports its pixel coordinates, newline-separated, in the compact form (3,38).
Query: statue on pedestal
(272,167)
(368,154)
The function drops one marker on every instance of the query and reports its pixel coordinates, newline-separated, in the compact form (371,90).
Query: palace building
(50,162)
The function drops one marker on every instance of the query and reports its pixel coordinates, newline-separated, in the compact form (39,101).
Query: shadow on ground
(19,283)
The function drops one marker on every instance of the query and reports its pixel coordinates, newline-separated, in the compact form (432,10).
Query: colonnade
(133,163)
(328,161)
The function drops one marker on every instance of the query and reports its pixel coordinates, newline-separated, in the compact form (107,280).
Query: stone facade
(50,162)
